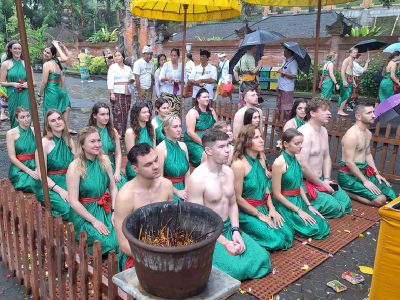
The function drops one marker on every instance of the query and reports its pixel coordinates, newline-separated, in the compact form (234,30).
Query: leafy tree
(387,3)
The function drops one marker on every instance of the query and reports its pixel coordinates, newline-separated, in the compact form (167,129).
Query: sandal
(73,132)
(343,114)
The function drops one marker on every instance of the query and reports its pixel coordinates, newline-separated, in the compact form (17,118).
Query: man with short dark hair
(326,197)
(147,187)
(211,185)
(357,172)
(251,101)
(143,71)
(347,81)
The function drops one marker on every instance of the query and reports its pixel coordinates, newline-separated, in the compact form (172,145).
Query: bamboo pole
(32,100)
(394,25)
(185,8)
(316,49)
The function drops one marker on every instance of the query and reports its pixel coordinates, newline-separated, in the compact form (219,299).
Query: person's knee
(380,200)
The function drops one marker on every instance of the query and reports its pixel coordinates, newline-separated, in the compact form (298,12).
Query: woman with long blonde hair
(58,149)
(328,83)
(257,214)
(92,191)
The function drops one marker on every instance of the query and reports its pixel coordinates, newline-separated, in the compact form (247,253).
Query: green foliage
(368,86)
(104,35)
(387,3)
(365,31)
(98,66)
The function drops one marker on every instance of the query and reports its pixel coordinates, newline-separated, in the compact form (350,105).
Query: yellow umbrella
(3,91)
(318,3)
(186,11)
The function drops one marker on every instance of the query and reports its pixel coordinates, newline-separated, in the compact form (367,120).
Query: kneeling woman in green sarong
(110,142)
(58,149)
(198,120)
(297,115)
(162,111)
(390,81)
(92,191)
(21,147)
(289,197)
(257,214)
(141,131)
(173,157)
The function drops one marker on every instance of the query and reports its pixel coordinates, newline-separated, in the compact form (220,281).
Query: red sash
(176,179)
(55,172)
(104,201)
(369,171)
(54,80)
(292,193)
(256,202)
(200,130)
(130,262)
(311,189)
(24,157)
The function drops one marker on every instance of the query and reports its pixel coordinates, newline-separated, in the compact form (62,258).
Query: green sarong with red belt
(352,184)
(290,185)
(345,92)
(386,87)
(255,185)
(53,96)
(327,85)
(329,205)
(124,261)
(176,165)
(253,263)
(25,147)
(204,121)
(58,160)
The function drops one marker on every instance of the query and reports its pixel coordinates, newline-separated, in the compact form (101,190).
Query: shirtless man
(326,197)
(251,101)
(357,172)
(347,81)
(211,184)
(147,187)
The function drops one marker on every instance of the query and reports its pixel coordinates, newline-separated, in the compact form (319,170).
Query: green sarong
(352,184)
(331,206)
(108,146)
(176,165)
(255,185)
(386,88)
(16,98)
(53,96)
(328,86)
(345,92)
(205,121)
(25,144)
(58,159)
(253,263)
(292,180)
(159,132)
(144,137)
(95,185)
(299,122)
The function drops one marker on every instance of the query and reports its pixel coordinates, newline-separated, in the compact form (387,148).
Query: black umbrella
(260,37)
(238,55)
(300,55)
(367,45)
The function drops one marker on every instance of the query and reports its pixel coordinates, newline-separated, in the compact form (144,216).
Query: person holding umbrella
(390,82)
(358,70)
(288,71)
(347,82)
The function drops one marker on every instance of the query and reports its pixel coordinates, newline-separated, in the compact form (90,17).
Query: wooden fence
(384,145)
(42,252)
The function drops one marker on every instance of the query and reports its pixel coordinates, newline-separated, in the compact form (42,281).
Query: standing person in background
(358,70)
(84,60)
(297,115)
(143,71)
(189,66)
(170,77)
(3,92)
(288,71)
(118,80)
(203,75)
(13,77)
(328,83)
(161,59)
(390,81)
(108,57)
(222,76)
(347,81)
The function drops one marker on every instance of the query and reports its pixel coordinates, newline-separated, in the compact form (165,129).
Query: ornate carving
(339,27)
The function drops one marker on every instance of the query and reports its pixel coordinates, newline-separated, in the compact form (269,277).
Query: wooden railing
(43,254)
(384,144)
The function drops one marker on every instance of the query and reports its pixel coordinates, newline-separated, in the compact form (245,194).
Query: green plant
(365,31)
(368,85)
(98,66)
(104,35)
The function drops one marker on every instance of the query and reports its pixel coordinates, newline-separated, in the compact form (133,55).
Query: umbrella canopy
(260,37)
(3,91)
(368,45)
(390,103)
(392,48)
(238,55)
(303,3)
(197,11)
(300,55)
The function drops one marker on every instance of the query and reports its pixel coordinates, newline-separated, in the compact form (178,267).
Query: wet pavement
(311,286)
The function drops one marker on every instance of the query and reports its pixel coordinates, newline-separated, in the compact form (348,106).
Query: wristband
(53,186)
(40,96)
(235,228)
(297,210)
(112,210)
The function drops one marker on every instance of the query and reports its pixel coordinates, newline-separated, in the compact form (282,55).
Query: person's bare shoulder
(279,162)
(227,171)
(304,129)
